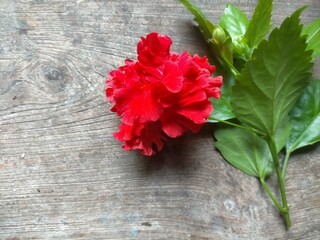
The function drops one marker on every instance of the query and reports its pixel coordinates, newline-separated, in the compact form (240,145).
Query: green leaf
(222,107)
(234,21)
(273,80)
(312,30)
(282,134)
(306,118)
(260,23)
(205,26)
(245,151)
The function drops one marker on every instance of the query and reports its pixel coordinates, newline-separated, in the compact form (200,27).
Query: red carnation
(161,95)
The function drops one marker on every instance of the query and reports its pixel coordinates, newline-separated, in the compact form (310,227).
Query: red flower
(161,95)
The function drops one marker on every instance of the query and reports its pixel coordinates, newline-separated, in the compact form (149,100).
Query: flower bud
(219,36)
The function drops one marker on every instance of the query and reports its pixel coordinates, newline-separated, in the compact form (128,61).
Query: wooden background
(62,174)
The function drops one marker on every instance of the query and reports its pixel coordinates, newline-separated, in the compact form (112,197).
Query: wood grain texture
(63,176)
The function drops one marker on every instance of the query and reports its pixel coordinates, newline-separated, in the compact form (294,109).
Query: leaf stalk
(274,200)
(275,158)
(238,126)
(285,163)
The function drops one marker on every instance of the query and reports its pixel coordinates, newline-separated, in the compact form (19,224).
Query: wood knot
(53,74)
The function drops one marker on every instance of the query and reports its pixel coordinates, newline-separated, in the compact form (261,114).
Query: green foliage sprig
(270,100)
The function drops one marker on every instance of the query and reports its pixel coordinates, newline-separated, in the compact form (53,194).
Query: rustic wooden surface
(63,176)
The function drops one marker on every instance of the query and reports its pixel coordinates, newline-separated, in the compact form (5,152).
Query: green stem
(285,163)
(275,158)
(232,68)
(274,200)
(236,125)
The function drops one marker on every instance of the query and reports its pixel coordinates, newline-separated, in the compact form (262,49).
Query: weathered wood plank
(63,176)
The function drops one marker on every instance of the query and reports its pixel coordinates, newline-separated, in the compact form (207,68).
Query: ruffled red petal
(148,138)
(172,79)
(154,49)
(175,125)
